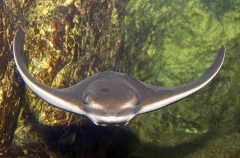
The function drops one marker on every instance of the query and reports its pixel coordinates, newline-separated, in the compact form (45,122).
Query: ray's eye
(85,98)
(137,99)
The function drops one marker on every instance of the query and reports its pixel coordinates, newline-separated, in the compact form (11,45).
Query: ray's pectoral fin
(158,97)
(62,98)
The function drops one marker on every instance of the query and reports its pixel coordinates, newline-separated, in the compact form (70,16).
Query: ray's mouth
(111,124)
(110,120)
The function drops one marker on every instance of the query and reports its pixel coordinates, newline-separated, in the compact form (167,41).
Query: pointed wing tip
(17,41)
(221,53)
(223,49)
(17,34)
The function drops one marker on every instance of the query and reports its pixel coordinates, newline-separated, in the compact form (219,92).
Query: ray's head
(111,100)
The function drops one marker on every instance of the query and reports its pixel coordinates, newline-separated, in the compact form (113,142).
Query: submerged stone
(10,83)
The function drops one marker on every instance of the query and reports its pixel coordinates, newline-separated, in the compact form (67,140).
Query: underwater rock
(10,82)
(66,42)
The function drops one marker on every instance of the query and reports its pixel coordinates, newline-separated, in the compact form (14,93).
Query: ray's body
(111,98)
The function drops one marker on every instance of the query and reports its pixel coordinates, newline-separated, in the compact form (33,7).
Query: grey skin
(111,98)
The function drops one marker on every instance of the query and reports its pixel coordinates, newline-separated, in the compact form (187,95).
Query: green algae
(179,41)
